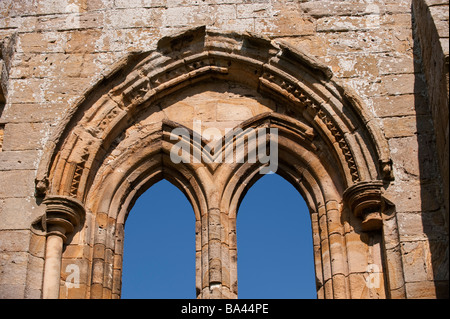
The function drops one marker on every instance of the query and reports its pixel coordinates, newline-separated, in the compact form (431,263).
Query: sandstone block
(51,42)
(19,160)
(406,126)
(23,185)
(318,9)
(184,16)
(84,41)
(253,10)
(421,290)
(180,112)
(13,267)
(8,291)
(37,245)
(34,277)
(347,23)
(24,136)
(416,259)
(399,105)
(389,64)
(17,213)
(14,240)
(397,84)
(134,17)
(413,196)
(346,66)
(74,19)
(229,111)
(77,251)
(241,25)
(34,112)
(357,252)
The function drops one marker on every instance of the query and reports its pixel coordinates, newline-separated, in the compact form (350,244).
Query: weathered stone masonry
(91,91)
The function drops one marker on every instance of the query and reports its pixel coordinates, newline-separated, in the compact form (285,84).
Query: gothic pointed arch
(112,145)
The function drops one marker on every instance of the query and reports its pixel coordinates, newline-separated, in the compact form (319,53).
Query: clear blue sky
(275,254)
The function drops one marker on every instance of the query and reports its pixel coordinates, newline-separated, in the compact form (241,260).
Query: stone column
(216,257)
(62,215)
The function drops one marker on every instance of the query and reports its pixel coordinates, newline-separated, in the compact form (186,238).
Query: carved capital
(365,201)
(62,215)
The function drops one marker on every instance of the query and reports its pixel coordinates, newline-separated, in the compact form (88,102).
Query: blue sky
(275,254)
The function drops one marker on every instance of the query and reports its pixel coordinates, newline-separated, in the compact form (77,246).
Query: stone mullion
(317,256)
(325,254)
(98,258)
(108,274)
(215,260)
(215,253)
(393,257)
(226,258)
(198,258)
(339,267)
(232,242)
(109,258)
(225,255)
(375,273)
(204,258)
(117,261)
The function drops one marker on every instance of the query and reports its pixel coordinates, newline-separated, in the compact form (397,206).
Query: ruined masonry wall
(52,51)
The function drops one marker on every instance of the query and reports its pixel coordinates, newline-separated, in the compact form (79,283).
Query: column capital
(365,201)
(62,215)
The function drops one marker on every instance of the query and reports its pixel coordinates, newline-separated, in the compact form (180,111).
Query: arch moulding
(112,146)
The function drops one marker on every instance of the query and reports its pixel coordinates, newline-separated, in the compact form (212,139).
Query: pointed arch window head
(327,144)
(274,68)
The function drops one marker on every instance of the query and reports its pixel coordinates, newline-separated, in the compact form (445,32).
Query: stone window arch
(115,142)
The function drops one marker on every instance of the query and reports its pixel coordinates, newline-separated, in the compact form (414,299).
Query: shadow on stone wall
(433,210)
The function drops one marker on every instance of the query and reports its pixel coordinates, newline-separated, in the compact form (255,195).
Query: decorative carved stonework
(365,201)
(117,141)
(351,163)
(63,214)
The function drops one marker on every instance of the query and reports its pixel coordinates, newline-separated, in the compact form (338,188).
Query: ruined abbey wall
(392,56)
